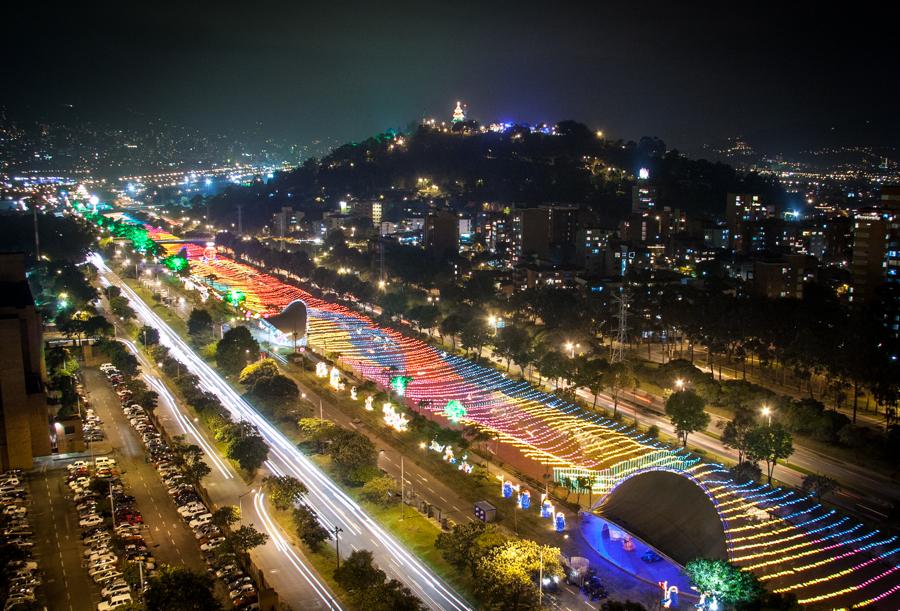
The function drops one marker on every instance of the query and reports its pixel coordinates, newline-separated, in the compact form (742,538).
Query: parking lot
(167,535)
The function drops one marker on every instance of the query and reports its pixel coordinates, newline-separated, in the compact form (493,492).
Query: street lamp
(767,413)
(679,384)
(571,348)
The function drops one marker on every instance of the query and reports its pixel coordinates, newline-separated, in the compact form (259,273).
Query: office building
(24,421)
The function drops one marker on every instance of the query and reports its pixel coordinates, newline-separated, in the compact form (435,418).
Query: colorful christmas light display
(394,419)
(788,539)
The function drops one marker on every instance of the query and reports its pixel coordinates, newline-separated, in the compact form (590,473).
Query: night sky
(689,73)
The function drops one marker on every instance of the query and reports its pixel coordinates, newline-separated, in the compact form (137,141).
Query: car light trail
(326,496)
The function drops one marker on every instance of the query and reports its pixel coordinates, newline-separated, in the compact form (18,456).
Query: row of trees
(269,390)
(352,453)
(242,440)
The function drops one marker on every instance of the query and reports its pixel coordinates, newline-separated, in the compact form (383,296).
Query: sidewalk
(608,540)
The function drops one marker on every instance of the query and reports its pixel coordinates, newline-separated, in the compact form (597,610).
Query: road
(874,488)
(283,566)
(864,492)
(334,506)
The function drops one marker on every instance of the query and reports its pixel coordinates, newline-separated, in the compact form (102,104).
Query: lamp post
(767,412)
(679,384)
(337,543)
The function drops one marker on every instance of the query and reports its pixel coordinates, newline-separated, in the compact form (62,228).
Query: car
(225,570)
(105,576)
(120,600)
(89,521)
(212,544)
(100,558)
(651,556)
(245,601)
(242,590)
(114,587)
(192,508)
(15,510)
(97,569)
(236,583)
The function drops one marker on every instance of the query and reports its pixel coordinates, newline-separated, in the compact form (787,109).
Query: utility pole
(402,488)
(240,210)
(617,349)
(337,543)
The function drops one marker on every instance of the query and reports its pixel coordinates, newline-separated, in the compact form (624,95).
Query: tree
(319,432)
(179,589)
(393,596)
(734,434)
(507,575)
(466,544)
(249,450)
(244,539)
(358,572)
(425,316)
(309,529)
(148,336)
(723,581)
(189,460)
(452,325)
(121,308)
(352,454)
(284,490)
(818,485)
(275,393)
(617,377)
(685,410)
(769,443)
(511,343)
(475,335)
(381,490)
(236,348)
(258,370)
(226,516)
(200,323)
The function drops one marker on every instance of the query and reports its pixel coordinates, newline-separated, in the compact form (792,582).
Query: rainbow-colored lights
(790,541)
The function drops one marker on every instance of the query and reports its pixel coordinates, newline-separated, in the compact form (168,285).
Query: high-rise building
(441,233)
(592,245)
(741,208)
(643,199)
(529,233)
(23,404)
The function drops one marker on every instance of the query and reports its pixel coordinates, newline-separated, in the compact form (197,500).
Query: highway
(335,508)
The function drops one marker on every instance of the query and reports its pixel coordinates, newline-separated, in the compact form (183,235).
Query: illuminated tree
(507,576)
(382,490)
(179,589)
(284,490)
(721,579)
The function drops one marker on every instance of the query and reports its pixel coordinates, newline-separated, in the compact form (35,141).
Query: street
(334,506)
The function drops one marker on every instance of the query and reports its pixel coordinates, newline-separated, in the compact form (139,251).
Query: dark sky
(687,72)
